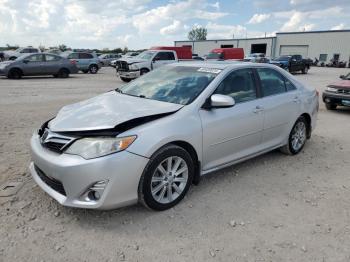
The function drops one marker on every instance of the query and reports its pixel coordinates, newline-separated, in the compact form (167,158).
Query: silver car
(38,64)
(150,140)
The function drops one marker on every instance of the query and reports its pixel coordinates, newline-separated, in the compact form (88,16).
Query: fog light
(94,192)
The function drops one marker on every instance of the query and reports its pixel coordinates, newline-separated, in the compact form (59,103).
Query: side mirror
(342,77)
(221,101)
(25,61)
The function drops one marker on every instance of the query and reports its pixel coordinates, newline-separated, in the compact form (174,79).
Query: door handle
(258,109)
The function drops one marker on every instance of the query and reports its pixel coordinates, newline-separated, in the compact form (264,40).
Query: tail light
(73,62)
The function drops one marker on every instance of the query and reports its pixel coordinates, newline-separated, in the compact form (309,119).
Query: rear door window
(272,82)
(85,56)
(73,56)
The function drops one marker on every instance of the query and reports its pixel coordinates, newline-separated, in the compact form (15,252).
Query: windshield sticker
(209,70)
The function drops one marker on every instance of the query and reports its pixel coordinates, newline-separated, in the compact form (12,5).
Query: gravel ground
(271,208)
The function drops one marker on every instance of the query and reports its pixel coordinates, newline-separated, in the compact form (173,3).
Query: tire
(126,80)
(160,188)
(93,69)
(143,71)
(63,73)
(55,75)
(331,106)
(297,138)
(12,58)
(15,74)
(305,70)
(85,71)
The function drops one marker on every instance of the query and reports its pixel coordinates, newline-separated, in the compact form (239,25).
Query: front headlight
(133,67)
(331,89)
(89,148)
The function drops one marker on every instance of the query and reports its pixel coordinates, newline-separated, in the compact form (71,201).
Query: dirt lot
(271,208)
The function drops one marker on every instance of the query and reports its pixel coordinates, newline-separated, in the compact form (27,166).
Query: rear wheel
(305,70)
(93,69)
(144,71)
(127,80)
(166,178)
(331,106)
(15,74)
(63,73)
(12,58)
(297,137)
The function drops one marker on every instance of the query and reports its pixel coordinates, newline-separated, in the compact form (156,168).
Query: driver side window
(240,85)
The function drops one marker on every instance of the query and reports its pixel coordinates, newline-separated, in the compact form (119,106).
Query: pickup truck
(292,63)
(226,54)
(131,68)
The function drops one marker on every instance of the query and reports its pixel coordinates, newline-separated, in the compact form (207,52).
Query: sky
(139,24)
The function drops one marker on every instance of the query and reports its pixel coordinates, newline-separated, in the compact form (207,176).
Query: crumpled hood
(344,84)
(106,111)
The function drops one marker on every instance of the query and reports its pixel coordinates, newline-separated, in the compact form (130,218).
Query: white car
(149,141)
(13,54)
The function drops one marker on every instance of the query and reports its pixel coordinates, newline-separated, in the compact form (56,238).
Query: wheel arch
(15,68)
(192,151)
(64,68)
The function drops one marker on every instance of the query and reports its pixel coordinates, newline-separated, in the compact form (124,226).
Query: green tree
(198,33)
(63,47)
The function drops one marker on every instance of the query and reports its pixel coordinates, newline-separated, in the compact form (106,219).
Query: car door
(85,60)
(233,133)
(163,58)
(33,65)
(52,64)
(281,104)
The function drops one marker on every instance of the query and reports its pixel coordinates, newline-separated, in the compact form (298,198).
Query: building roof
(271,37)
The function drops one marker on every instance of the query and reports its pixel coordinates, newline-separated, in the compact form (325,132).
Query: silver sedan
(150,140)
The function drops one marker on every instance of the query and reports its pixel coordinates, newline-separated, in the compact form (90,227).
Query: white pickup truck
(131,68)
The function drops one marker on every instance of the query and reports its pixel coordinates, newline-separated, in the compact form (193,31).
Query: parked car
(152,139)
(155,57)
(106,59)
(130,54)
(86,62)
(337,94)
(38,64)
(226,54)
(293,63)
(13,54)
(255,58)
(197,57)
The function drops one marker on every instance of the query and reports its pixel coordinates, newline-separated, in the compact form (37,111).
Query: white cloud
(259,18)
(338,27)
(172,29)
(218,31)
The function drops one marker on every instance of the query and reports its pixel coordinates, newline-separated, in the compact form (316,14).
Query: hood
(107,111)
(9,52)
(133,60)
(344,84)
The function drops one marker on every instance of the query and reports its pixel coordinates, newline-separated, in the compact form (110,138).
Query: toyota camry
(150,140)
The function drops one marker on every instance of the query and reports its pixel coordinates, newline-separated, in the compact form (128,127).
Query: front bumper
(122,171)
(129,74)
(336,98)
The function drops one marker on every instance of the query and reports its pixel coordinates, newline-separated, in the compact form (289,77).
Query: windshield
(146,55)
(283,58)
(178,85)
(215,56)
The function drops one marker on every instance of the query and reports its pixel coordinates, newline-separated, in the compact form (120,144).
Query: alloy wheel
(169,180)
(298,136)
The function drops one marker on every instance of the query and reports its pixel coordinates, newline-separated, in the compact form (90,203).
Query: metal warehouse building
(323,45)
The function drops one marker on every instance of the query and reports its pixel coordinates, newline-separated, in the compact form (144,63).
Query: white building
(323,45)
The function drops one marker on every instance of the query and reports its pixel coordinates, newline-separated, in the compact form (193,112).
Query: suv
(14,54)
(86,62)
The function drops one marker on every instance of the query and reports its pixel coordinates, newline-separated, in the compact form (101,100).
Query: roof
(220,64)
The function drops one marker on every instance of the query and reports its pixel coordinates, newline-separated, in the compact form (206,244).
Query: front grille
(344,91)
(51,182)
(53,141)
(122,66)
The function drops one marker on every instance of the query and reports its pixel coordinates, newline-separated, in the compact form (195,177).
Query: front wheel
(15,74)
(331,106)
(63,73)
(297,137)
(166,178)
(126,80)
